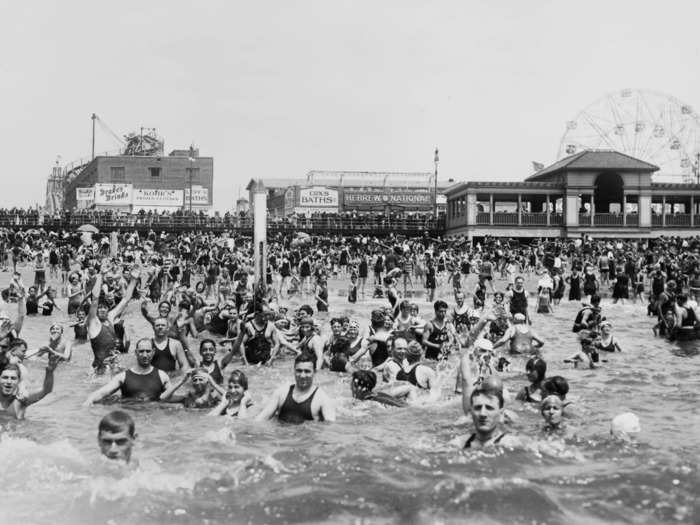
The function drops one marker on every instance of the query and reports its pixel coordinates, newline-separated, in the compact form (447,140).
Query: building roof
(595,160)
(413,179)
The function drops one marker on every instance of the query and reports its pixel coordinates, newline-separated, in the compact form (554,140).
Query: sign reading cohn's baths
(318,196)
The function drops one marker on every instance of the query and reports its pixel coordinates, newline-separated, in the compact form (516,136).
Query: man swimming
(168,353)
(12,401)
(142,382)
(301,401)
(116,434)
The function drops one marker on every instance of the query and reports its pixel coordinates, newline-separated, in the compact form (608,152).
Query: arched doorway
(608,190)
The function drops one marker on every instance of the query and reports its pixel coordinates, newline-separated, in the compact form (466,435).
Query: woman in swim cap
(552,410)
(205,393)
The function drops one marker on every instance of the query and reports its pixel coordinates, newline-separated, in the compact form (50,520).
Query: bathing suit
(410,376)
(437,336)
(163,359)
(294,412)
(103,346)
(145,387)
(81,332)
(257,348)
(471,439)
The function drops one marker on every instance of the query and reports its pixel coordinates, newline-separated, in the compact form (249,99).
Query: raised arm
(47,387)
(467,382)
(117,310)
(93,323)
(167,395)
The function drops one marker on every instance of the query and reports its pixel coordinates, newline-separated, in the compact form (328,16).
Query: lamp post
(436,160)
(191,171)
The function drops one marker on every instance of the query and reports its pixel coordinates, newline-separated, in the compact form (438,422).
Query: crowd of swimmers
(210,321)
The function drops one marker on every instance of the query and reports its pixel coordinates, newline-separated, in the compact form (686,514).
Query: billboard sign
(113,194)
(359,199)
(200,196)
(160,198)
(85,194)
(318,197)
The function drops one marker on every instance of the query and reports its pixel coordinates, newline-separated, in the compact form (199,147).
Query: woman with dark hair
(536,369)
(237,400)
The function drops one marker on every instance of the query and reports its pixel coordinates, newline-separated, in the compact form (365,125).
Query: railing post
(663,211)
(491,209)
(692,211)
(547,201)
(592,210)
(520,210)
(624,208)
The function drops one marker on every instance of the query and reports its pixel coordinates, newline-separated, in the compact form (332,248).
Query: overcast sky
(275,89)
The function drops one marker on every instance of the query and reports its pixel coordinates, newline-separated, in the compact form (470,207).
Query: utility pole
(94,117)
(436,160)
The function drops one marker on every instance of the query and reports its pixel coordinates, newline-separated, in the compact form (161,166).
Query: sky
(276,89)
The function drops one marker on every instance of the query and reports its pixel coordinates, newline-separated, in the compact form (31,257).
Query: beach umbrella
(88,228)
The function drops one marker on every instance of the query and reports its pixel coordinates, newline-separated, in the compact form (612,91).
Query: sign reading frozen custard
(318,197)
(113,194)
(144,197)
(352,199)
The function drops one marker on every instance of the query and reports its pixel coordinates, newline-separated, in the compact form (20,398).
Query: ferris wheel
(648,125)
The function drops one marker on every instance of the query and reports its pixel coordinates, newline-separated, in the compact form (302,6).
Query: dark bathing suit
(296,413)
(163,359)
(103,346)
(145,387)
(468,444)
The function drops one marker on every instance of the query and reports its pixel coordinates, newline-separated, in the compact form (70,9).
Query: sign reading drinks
(113,194)
(145,197)
(200,196)
(359,199)
(318,197)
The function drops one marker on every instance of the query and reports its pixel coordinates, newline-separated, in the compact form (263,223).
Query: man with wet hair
(301,401)
(116,434)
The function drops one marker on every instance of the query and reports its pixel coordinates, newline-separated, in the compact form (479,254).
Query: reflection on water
(383,464)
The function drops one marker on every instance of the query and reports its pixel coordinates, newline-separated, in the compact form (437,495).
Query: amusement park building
(132,183)
(602,193)
(354,191)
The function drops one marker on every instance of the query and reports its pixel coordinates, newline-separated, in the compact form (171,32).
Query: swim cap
(519,318)
(354,324)
(624,424)
(364,379)
(483,344)
(551,400)
(492,384)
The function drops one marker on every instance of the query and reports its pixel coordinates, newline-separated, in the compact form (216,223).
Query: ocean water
(375,464)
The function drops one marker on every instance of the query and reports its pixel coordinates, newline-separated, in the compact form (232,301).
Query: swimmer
(142,382)
(205,392)
(624,426)
(536,369)
(12,401)
(207,351)
(416,373)
(259,344)
(520,337)
(438,333)
(362,384)
(606,342)
(485,406)
(57,344)
(237,401)
(301,401)
(397,362)
(168,352)
(101,321)
(116,434)
(310,342)
(552,410)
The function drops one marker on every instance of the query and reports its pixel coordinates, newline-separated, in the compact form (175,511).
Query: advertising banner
(358,199)
(113,194)
(160,198)
(318,196)
(200,196)
(85,194)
